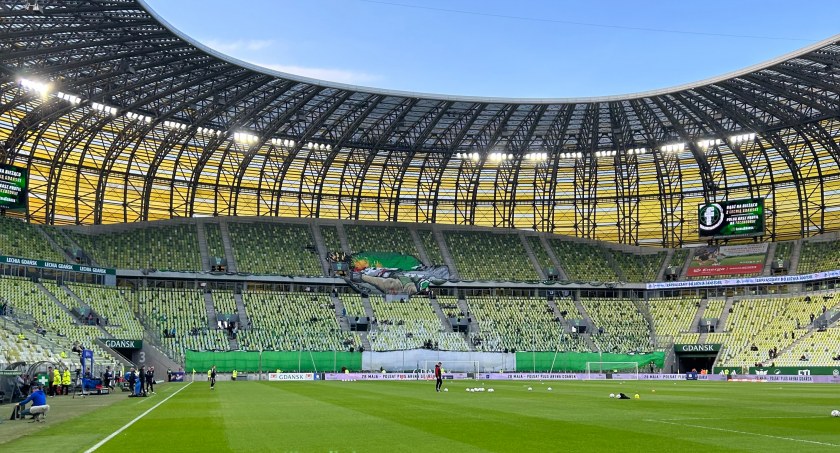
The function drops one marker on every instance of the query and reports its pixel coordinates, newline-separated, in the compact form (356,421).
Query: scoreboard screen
(733,218)
(12,187)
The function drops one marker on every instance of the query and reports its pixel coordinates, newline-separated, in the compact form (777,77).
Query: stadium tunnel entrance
(695,356)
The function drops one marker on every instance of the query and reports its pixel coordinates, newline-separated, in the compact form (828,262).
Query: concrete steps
(560,271)
(532,257)
(695,323)
(321,248)
(201,235)
(447,257)
(660,276)
(211,311)
(241,311)
(444,321)
(340,314)
(418,244)
(231,258)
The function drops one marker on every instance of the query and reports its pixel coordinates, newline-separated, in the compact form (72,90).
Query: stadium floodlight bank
(454,366)
(594,370)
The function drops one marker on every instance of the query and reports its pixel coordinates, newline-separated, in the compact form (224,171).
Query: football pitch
(411,416)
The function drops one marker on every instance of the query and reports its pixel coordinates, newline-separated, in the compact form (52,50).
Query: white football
(612,395)
(549,389)
(469,390)
(445,390)
(529,389)
(490,390)
(835,413)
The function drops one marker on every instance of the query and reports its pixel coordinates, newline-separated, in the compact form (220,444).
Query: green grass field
(410,417)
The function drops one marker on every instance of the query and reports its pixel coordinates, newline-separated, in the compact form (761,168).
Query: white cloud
(240,45)
(329,74)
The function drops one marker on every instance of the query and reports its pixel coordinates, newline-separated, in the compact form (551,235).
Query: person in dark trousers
(150,380)
(39,407)
(213,378)
(141,374)
(132,380)
(438,377)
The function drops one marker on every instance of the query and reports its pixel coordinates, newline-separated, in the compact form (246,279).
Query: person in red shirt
(438,377)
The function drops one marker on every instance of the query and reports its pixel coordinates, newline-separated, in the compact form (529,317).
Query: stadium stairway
(233,345)
(69,239)
(240,309)
(727,308)
(444,321)
(587,320)
(548,249)
(79,301)
(368,308)
(340,313)
(615,267)
(321,247)
(465,309)
(660,276)
(201,235)
(211,310)
(684,268)
(533,258)
(229,256)
(695,323)
(566,326)
(643,309)
(795,254)
(418,244)
(342,238)
(447,257)
(768,262)
(53,244)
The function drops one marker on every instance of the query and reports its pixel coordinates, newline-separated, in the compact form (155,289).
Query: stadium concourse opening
(695,356)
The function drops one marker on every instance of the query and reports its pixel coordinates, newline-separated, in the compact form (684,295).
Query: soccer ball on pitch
(612,395)
(636,396)
(529,389)
(835,413)
(549,389)
(445,390)
(490,390)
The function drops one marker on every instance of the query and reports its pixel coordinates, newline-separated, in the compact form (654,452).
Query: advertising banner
(782,279)
(41,264)
(115,343)
(705,347)
(530,376)
(389,376)
(728,260)
(291,376)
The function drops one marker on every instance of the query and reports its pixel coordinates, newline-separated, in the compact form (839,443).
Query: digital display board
(733,218)
(12,187)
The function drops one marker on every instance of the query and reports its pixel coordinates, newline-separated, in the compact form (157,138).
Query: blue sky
(526,48)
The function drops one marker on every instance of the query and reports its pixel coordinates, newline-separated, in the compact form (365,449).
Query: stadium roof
(765,131)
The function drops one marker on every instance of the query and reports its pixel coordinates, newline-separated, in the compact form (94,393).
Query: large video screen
(733,218)
(12,187)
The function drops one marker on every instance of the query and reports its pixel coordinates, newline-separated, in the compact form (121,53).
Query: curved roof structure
(119,118)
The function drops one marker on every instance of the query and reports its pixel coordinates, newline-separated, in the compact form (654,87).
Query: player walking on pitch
(438,377)
(212,374)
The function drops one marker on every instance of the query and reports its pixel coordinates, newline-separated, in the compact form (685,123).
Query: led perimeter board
(733,218)
(13,187)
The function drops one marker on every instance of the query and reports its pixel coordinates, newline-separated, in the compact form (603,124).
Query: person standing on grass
(212,374)
(141,374)
(150,380)
(438,377)
(65,382)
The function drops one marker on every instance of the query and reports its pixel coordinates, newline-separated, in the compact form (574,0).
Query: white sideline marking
(114,434)
(745,432)
(729,419)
